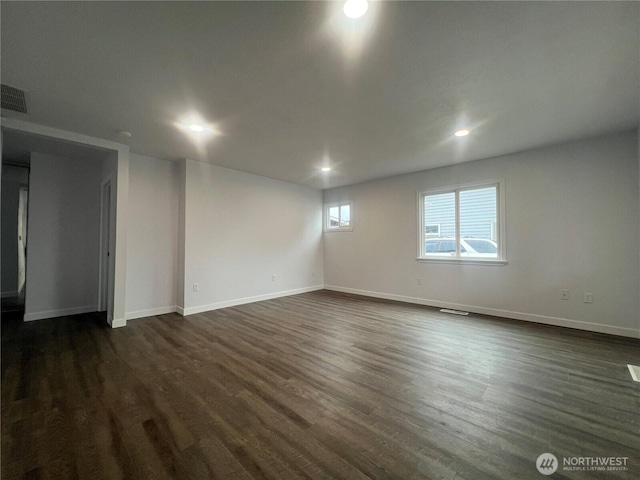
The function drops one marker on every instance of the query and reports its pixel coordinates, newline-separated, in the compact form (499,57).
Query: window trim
(500,227)
(326,218)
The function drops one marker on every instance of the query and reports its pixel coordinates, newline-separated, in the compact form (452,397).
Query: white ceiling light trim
(355,8)
(463,132)
(194,126)
(200,129)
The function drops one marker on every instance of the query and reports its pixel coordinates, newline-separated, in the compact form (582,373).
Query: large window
(337,217)
(469,224)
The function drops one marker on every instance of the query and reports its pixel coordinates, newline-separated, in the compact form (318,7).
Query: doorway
(15,197)
(70,263)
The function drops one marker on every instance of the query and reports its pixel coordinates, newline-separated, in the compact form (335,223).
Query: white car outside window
(469,247)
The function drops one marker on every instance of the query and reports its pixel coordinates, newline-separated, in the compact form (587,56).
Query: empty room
(320,239)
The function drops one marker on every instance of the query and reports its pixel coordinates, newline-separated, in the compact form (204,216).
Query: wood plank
(321,385)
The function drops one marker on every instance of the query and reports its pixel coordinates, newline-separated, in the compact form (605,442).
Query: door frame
(23,228)
(115,166)
(106,225)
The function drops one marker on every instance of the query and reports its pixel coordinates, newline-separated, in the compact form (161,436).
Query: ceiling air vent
(14,99)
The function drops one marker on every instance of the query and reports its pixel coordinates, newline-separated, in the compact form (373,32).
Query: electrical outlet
(419,280)
(273,277)
(588,297)
(564,294)
(196,287)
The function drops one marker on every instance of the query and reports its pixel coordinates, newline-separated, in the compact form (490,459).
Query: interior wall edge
(118,323)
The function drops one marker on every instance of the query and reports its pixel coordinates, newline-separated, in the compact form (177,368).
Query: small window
(462,224)
(337,217)
(432,230)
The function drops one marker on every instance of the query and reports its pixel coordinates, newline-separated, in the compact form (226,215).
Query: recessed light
(355,8)
(462,133)
(199,129)
(326,169)
(196,127)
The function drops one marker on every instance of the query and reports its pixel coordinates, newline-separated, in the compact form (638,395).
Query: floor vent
(455,312)
(13,99)
(635,372)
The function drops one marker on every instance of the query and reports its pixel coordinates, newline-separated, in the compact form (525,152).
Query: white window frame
(327,220)
(500,227)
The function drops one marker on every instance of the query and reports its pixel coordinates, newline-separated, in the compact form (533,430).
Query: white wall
(152,241)
(240,229)
(571,219)
(64,237)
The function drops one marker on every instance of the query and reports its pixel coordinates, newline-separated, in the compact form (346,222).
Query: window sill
(339,229)
(492,262)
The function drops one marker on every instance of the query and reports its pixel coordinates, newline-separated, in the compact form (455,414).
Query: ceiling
(292,86)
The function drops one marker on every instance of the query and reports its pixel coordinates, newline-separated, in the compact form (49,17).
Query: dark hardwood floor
(319,385)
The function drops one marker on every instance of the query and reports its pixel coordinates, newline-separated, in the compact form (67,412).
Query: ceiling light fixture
(199,129)
(326,169)
(196,128)
(355,8)
(462,133)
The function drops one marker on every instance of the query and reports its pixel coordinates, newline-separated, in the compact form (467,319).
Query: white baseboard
(118,323)
(242,301)
(28,317)
(9,294)
(528,317)
(150,312)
